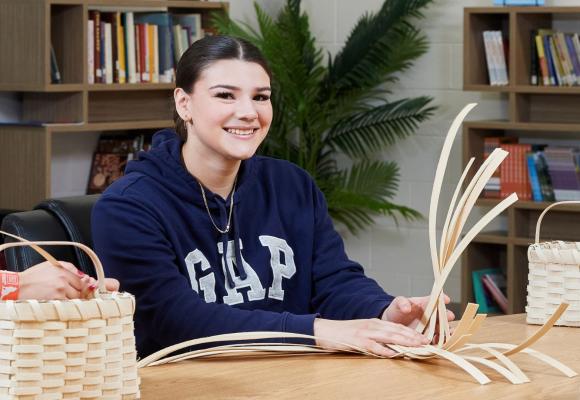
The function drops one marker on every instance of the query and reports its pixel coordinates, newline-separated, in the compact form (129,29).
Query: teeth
(241,132)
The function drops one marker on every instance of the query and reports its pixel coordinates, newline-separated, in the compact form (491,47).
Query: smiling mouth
(241,132)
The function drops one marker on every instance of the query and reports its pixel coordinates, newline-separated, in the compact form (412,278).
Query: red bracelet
(10,285)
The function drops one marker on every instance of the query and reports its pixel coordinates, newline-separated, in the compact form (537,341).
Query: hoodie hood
(163,163)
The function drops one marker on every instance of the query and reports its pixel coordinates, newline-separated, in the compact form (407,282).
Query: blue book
(534,179)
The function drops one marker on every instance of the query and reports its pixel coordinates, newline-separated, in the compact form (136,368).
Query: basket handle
(539,223)
(36,246)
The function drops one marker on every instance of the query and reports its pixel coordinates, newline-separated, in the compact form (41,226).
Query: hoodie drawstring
(238,265)
(237,248)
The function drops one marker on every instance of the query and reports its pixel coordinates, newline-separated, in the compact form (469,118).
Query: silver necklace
(228,226)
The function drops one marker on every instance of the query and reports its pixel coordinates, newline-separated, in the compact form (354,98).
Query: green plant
(324,109)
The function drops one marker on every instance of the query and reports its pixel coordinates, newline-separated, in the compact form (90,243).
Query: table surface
(338,376)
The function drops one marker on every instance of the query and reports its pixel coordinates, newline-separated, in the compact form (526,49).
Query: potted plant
(331,107)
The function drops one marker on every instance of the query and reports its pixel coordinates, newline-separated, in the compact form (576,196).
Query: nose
(246,110)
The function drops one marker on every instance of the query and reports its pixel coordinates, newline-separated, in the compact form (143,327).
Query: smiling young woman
(211,238)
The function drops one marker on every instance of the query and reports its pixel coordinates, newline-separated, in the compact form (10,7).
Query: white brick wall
(398,256)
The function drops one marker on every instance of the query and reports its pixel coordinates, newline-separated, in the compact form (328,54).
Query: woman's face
(230,109)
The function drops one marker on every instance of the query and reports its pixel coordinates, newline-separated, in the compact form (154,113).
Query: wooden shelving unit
(27,29)
(534,111)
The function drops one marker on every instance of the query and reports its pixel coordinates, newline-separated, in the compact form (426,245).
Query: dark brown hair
(202,54)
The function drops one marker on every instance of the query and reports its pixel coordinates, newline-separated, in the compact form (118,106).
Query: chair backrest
(54,219)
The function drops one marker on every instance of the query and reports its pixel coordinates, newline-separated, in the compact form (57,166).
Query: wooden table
(355,377)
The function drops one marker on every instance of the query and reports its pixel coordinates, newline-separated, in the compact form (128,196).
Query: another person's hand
(368,334)
(44,281)
(409,310)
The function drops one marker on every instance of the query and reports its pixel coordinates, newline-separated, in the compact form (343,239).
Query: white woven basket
(554,277)
(68,349)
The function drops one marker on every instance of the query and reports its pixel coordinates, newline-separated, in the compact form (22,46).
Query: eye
(261,97)
(225,95)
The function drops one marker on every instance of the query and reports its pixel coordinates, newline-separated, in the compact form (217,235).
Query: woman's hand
(408,311)
(44,281)
(368,334)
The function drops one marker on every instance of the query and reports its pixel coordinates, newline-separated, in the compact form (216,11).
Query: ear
(181,98)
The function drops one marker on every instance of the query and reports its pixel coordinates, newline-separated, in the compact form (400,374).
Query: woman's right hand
(368,334)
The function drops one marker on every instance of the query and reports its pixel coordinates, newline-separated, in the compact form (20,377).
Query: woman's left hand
(409,310)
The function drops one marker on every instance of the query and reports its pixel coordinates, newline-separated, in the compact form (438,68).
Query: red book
(492,283)
(96,17)
(492,190)
(143,52)
(508,183)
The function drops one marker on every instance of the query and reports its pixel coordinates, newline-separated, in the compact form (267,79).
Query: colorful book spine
(534,179)
(542,61)
(121,53)
(96,17)
(551,66)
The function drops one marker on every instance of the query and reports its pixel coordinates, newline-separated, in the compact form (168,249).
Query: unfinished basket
(554,277)
(68,349)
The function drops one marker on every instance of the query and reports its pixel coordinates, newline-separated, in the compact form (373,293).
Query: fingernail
(81,273)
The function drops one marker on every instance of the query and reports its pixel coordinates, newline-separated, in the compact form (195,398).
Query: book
(130,56)
(54,70)
(106,168)
(542,60)
(534,76)
(496,285)
(111,156)
(481,293)
(492,189)
(121,53)
(563,172)
(534,179)
(91,51)
(95,16)
(544,177)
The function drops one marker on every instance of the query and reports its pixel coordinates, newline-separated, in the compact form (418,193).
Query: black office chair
(67,219)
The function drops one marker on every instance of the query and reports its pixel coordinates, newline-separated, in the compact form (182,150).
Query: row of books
(496,50)
(111,156)
(489,289)
(134,47)
(534,171)
(555,58)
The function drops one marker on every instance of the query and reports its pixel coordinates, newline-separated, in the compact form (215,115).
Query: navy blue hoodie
(280,265)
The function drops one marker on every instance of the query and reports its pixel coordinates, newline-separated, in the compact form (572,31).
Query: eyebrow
(230,87)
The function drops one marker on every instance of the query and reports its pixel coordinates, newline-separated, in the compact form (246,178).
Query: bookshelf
(534,111)
(73,107)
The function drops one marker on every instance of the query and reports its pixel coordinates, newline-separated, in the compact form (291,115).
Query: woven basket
(68,349)
(554,277)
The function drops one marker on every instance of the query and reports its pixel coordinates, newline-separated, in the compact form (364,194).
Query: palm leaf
(322,110)
(361,62)
(363,192)
(370,130)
